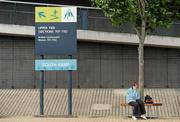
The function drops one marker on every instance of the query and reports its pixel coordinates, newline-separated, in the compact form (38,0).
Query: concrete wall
(99,65)
(97,36)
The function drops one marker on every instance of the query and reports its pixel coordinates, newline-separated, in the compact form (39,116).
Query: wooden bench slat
(146,104)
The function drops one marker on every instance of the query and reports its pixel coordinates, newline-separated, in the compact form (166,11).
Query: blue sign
(55,38)
(65,64)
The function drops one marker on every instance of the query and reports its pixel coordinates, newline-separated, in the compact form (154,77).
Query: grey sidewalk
(31,119)
(25,102)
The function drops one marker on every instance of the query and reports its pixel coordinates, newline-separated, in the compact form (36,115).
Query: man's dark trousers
(138,107)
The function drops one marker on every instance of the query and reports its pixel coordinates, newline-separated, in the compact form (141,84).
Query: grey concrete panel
(99,65)
(25,7)
(37,80)
(23,18)
(6,48)
(130,71)
(111,73)
(130,65)
(62,79)
(174,68)
(50,79)
(174,73)
(111,66)
(23,49)
(89,73)
(23,74)
(6,17)
(6,74)
(89,65)
(156,67)
(7,6)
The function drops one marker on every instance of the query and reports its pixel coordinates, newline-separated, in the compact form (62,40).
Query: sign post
(42,90)
(55,29)
(70,90)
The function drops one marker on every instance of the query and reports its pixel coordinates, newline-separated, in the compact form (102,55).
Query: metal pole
(70,90)
(42,90)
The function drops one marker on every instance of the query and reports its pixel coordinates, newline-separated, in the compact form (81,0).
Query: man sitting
(133,99)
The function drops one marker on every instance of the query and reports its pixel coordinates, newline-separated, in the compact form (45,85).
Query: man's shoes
(134,118)
(143,116)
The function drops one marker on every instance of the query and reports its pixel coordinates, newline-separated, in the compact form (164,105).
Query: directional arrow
(41,14)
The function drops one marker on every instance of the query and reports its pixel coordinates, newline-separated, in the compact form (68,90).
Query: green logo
(54,15)
(68,14)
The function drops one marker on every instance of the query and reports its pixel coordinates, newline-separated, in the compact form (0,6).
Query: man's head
(135,85)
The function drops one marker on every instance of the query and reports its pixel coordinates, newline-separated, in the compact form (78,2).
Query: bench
(148,105)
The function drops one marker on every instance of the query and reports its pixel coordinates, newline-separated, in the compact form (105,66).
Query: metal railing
(22,13)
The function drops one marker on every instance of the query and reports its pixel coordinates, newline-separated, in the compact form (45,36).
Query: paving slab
(84,119)
(25,102)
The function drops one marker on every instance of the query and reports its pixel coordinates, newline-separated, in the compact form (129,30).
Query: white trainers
(134,118)
(143,116)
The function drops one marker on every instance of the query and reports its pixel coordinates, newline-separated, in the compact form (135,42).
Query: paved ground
(31,119)
(25,102)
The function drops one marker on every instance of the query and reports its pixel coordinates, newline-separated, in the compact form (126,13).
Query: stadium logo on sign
(69,14)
